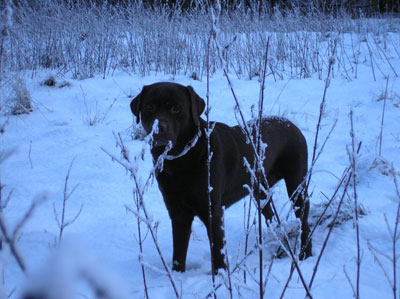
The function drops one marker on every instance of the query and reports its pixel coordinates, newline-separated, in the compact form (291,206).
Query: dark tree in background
(354,7)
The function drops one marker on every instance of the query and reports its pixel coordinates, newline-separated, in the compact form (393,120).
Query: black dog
(184,180)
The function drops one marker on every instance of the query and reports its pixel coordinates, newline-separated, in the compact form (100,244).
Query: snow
(104,236)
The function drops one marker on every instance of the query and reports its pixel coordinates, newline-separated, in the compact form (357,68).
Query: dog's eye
(176,109)
(149,108)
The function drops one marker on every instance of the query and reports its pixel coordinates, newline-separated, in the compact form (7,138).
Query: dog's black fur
(183,181)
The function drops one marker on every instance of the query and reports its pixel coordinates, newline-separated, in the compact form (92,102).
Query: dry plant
(209,155)
(22,101)
(141,212)
(63,223)
(7,238)
(84,40)
(257,173)
(11,238)
(140,240)
(385,96)
(94,117)
(394,234)
(5,32)
(353,155)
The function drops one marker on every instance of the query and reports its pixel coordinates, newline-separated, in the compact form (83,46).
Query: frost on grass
(15,97)
(138,132)
(21,101)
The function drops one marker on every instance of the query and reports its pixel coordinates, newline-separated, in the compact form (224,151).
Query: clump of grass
(22,100)
(346,213)
(50,81)
(64,84)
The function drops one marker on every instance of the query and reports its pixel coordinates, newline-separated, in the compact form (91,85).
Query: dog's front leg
(216,237)
(181,229)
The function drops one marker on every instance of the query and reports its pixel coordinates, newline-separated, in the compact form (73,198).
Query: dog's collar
(187,148)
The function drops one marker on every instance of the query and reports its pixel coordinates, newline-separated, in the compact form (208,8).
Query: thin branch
(348,178)
(29,153)
(395,236)
(209,153)
(28,214)
(257,159)
(322,109)
(12,239)
(140,241)
(353,161)
(349,280)
(260,169)
(11,242)
(383,117)
(374,252)
(228,271)
(63,223)
(140,190)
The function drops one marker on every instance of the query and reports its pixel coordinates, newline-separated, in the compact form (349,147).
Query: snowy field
(71,123)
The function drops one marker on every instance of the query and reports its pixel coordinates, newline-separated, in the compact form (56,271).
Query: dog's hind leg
(216,237)
(267,209)
(297,193)
(267,212)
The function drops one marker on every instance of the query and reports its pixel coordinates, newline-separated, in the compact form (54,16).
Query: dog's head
(177,109)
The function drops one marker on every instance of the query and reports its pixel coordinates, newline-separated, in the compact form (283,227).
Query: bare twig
(257,159)
(228,271)
(141,190)
(140,241)
(4,203)
(353,161)
(209,153)
(247,228)
(319,220)
(349,280)
(383,117)
(29,154)
(236,268)
(11,240)
(260,170)
(7,153)
(64,223)
(370,57)
(396,235)
(322,110)
(347,181)
(28,214)
(375,253)
(3,126)
(316,154)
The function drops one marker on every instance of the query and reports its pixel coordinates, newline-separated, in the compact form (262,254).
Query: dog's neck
(192,143)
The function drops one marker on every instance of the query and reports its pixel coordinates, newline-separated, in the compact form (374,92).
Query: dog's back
(285,156)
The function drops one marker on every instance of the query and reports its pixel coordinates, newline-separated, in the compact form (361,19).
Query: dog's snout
(162,127)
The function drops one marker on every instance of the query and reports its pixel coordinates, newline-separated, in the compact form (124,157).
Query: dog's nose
(162,127)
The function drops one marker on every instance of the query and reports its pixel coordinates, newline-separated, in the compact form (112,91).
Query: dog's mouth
(160,147)
(160,143)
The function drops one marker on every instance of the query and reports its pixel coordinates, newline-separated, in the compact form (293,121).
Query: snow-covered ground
(73,123)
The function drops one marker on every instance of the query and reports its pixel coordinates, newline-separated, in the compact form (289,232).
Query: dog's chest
(183,188)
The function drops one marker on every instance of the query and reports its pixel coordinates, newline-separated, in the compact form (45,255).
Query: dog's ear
(197,104)
(136,104)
